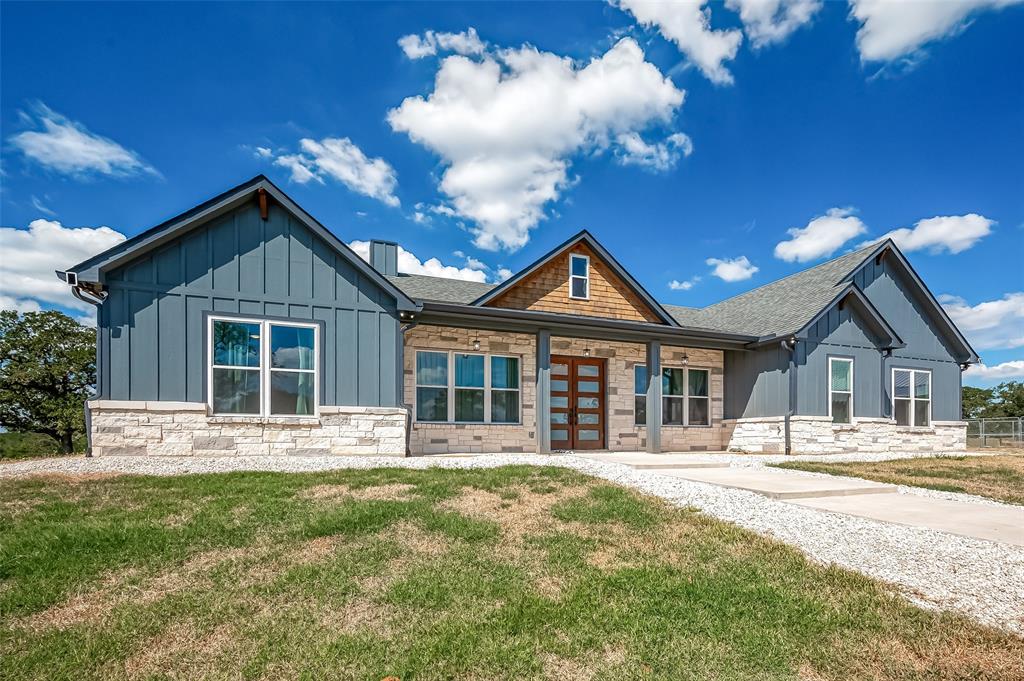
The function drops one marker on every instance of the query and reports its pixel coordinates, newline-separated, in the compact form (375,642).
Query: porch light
(476,344)
(586,352)
(686,359)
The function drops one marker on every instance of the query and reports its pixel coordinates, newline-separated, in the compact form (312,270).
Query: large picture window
(466,387)
(911,397)
(840,389)
(685,396)
(263,368)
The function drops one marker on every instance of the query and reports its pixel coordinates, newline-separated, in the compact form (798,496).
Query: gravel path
(980,578)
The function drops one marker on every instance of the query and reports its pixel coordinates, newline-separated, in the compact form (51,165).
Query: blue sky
(676,138)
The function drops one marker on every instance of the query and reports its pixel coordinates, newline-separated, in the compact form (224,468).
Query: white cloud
(821,237)
(660,156)
(39,206)
(427,45)
(953,233)
(507,123)
(990,325)
(67,147)
(688,25)
(263,152)
(772,21)
(734,269)
(410,264)
(1012,369)
(339,158)
(503,274)
(29,257)
(890,30)
(677,285)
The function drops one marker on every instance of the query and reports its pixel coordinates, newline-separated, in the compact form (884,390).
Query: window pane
(698,383)
(504,372)
(901,412)
(920,412)
(901,383)
(504,406)
(586,403)
(561,401)
(640,411)
(469,371)
(840,407)
(236,344)
(588,370)
(672,411)
(640,379)
(559,369)
(560,417)
(841,375)
(560,386)
(579,267)
(921,384)
(579,287)
(699,411)
(672,381)
(588,419)
(469,405)
(559,434)
(431,404)
(432,368)
(588,435)
(587,386)
(236,391)
(291,347)
(292,392)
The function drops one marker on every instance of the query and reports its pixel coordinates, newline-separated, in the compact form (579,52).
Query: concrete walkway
(837,494)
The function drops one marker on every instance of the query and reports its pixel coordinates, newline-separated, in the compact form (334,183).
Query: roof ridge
(794,274)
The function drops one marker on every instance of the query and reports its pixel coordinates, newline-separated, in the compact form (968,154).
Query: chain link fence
(1006,432)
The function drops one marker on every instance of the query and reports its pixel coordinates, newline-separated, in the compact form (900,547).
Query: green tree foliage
(47,372)
(1003,401)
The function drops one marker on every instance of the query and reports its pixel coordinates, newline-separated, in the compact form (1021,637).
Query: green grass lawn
(517,572)
(999,477)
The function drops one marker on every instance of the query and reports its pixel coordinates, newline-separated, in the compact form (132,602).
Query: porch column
(543,398)
(654,397)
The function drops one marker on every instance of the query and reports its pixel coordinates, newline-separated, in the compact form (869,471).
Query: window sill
(475,424)
(268,420)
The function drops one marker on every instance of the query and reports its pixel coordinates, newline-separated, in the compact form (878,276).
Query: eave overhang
(576,326)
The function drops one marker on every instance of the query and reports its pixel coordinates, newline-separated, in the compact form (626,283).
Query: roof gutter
(529,321)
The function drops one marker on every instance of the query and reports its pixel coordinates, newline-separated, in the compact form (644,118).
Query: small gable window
(579,277)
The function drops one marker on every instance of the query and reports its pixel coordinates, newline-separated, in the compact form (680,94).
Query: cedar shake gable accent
(544,287)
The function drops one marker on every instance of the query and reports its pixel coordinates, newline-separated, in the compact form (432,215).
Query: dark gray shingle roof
(439,289)
(781,307)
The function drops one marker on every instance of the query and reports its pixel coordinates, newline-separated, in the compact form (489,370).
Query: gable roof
(92,270)
(587,238)
(852,295)
(440,289)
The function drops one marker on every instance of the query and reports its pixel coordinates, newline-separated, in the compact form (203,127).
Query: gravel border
(982,579)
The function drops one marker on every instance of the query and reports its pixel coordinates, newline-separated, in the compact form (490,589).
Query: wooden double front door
(577,402)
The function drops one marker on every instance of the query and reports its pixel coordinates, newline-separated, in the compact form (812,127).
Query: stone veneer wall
(122,428)
(818,435)
(622,434)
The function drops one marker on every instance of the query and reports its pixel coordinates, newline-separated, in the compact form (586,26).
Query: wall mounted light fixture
(586,352)
(476,344)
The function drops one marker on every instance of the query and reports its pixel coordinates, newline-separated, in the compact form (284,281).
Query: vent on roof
(384,257)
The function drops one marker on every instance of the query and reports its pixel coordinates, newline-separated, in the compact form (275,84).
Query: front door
(577,403)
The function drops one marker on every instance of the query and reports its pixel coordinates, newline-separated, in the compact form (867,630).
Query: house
(244,326)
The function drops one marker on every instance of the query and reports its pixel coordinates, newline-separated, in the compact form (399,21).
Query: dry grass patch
(391,492)
(181,651)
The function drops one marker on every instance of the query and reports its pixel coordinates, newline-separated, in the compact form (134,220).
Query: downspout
(790,346)
(92,299)
(401,386)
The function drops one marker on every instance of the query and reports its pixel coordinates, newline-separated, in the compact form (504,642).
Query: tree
(1011,398)
(976,403)
(47,372)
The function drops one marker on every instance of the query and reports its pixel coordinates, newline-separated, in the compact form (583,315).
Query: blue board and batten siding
(152,334)
(757,382)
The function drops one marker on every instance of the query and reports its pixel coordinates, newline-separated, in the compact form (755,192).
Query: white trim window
(579,276)
(685,396)
(840,389)
(912,397)
(258,367)
(467,387)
